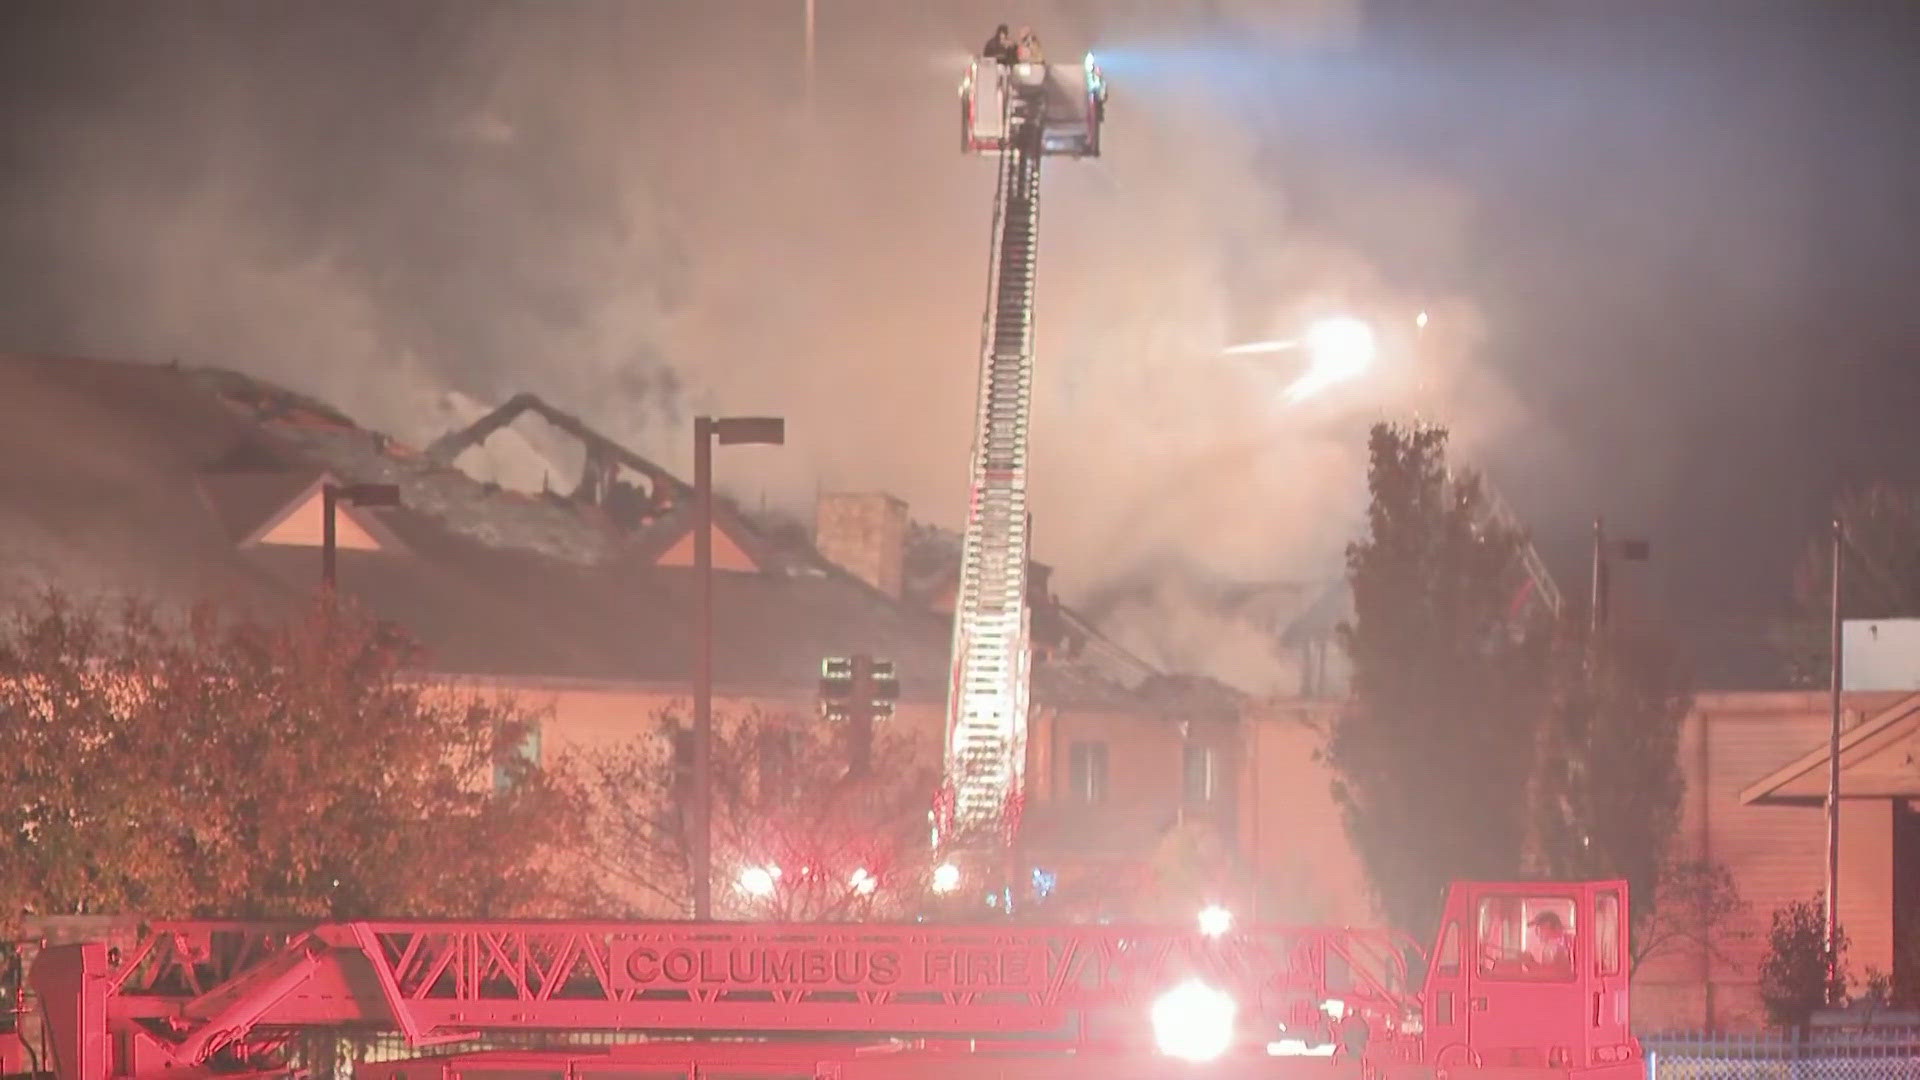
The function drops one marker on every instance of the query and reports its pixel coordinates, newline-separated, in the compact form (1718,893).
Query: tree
(1607,786)
(1433,756)
(1880,578)
(796,835)
(1695,905)
(1795,980)
(233,767)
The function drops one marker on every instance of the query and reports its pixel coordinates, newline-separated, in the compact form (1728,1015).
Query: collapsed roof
(159,480)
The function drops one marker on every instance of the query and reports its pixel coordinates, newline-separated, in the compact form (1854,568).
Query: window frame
(1209,757)
(1607,908)
(1089,772)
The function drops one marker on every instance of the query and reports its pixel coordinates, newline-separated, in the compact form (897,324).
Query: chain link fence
(1880,1054)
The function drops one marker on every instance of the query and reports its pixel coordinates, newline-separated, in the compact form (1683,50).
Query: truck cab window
(1526,938)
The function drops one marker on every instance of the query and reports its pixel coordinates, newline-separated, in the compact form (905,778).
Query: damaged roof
(142,478)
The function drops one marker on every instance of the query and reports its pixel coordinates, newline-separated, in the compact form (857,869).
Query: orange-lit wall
(1776,854)
(1290,826)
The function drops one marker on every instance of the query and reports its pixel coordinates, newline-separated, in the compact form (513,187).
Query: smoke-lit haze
(414,210)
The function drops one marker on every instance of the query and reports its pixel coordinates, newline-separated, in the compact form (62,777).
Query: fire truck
(433,1000)
(1522,979)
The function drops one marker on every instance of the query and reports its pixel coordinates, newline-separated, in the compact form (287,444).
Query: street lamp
(331,495)
(727,431)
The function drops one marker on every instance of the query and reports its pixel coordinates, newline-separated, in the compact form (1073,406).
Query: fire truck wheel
(1451,1058)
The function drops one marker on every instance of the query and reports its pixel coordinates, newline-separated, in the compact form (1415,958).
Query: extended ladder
(987,705)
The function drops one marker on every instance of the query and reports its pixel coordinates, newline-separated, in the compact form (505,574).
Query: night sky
(1687,234)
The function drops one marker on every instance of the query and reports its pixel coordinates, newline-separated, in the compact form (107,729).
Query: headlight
(1193,1021)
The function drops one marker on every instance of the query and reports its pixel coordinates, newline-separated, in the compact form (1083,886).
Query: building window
(1200,769)
(1087,771)
(506,773)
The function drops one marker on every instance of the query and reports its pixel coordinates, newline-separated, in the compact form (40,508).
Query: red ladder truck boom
(1021,113)
(528,1000)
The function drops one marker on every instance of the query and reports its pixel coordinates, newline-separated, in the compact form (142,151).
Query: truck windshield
(1526,938)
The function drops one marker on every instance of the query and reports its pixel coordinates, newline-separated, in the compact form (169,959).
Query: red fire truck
(1523,980)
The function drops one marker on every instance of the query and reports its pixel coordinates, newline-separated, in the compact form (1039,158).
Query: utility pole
(703,668)
(810,51)
(1600,604)
(1597,602)
(1833,760)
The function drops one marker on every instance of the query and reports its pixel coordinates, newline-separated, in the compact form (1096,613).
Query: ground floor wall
(1776,854)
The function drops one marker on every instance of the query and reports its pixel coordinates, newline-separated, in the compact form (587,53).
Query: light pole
(727,431)
(1601,604)
(331,495)
(1833,762)
(809,16)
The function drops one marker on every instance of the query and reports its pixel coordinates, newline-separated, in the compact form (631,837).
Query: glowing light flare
(1194,1021)
(1339,350)
(758,881)
(946,878)
(1256,348)
(863,882)
(1420,320)
(1215,920)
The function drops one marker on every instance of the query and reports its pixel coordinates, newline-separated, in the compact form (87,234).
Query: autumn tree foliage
(214,765)
(1434,754)
(1696,909)
(797,834)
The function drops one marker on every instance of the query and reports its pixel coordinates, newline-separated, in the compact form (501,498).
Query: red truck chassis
(844,1001)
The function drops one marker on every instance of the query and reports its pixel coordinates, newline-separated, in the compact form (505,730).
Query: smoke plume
(641,211)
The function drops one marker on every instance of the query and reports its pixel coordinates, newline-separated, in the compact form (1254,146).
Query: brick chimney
(864,534)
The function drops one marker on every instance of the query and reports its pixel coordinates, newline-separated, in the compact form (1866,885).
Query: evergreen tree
(1434,754)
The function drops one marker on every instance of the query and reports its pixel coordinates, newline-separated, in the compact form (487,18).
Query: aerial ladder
(410,999)
(1020,113)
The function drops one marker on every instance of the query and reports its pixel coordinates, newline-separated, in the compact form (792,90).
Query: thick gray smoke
(638,211)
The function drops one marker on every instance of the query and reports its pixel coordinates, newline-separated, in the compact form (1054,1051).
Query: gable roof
(143,478)
(1879,758)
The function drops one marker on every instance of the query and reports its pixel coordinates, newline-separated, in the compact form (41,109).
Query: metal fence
(1875,1054)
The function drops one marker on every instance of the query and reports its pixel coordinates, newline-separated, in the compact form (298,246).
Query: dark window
(1087,771)
(681,741)
(1449,959)
(1201,764)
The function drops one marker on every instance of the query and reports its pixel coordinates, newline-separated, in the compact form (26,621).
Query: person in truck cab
(1551,951)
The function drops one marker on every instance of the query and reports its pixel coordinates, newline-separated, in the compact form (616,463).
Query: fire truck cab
(1530,976)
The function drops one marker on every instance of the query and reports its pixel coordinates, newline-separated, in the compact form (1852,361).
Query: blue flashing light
(1044,882)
